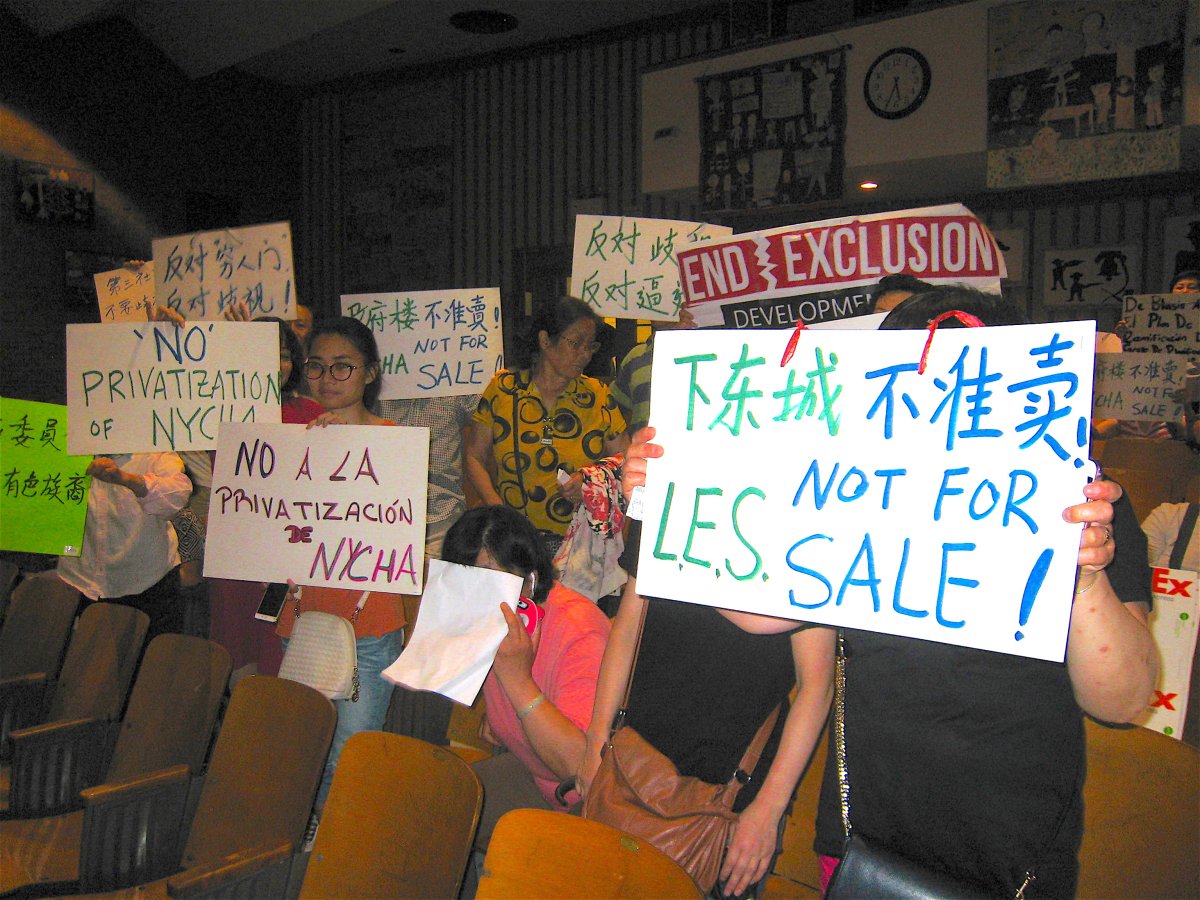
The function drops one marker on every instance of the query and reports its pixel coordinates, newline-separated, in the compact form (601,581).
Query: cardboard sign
(342,506)
(1173,623)
(44,501)
(816,265)
(433,343)
(1139,386)
(849,489)
(1163,323)
(202,273)
(626,268)
(152,386)
(125,294)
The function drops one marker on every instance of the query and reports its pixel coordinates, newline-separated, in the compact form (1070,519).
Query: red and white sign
(1173,623)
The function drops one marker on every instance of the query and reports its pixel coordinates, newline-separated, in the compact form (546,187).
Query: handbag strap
(362,601)
(1184,537)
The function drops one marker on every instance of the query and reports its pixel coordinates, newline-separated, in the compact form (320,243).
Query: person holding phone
(540,690)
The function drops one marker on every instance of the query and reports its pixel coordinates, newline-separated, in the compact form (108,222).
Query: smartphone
(272,602)
(530,613)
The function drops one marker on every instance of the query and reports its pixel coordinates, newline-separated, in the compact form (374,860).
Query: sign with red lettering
(810,271)
(1173,623)
(341,506)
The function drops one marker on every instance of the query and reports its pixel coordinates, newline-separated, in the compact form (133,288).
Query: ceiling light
(868,185)
(483,21)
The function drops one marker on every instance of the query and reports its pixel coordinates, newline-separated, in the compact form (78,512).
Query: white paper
(1173,622)
(458,631)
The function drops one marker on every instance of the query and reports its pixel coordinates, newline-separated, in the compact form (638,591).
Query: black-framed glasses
(339,371)
(581,347)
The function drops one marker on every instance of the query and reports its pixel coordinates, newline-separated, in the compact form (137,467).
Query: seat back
(37,626)
(399,821)
(9,573)
(1141,815)
(264,770)
(540,854)
(173,707)
(101,658)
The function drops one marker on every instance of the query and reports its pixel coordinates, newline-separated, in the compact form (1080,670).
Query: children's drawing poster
(849,488)
(1139,386)
(1081,91)
(125,294)
(433,343)
(825,270)
(203,273)
(1163,323)
(44,500)
(141,387)
(626,268)
(1090,276)
(775,134)
(1173,623)
(340,506)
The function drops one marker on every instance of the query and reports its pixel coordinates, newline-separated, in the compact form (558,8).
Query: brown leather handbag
(638,790)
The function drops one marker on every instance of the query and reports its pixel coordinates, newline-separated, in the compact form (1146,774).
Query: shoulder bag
(322,652)
(638,790)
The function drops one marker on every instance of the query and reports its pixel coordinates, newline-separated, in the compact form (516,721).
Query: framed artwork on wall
(47,194)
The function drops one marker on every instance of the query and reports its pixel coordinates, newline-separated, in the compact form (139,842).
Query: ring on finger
(1107,534)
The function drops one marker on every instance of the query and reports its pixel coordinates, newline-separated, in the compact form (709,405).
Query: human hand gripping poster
(847,487)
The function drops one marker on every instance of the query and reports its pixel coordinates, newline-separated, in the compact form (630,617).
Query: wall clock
(897,83)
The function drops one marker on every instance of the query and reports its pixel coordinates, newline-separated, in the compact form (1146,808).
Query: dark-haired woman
(540,691)
(543,418)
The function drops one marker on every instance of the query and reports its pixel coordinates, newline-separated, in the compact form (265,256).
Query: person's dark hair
(1184,273)
(920,309)
(288,388)
(508,536)
(361,337)
(901,281)
(602,364)
(553,318)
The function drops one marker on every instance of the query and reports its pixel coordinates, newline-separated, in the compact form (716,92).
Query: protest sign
(1163,323)
(1079,276)
(848,488)
(44,501)
(433,343)
(626,268)
(202,273)
(824,270)
(125,294)
(342,506)
(1173,624)
(134,388)
(1139,386)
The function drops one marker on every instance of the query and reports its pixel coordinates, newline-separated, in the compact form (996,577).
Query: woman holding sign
(539,423)
(343,374)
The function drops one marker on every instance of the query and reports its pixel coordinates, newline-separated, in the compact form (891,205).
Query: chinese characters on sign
(202,274)
(626,268)
(44,498)
(433,343)
(125,294)
(848,488)
(1138,386)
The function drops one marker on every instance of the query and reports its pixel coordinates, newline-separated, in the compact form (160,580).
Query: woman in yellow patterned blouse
(542,417)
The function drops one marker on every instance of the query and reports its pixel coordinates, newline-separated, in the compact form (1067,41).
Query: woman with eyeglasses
(540,422)
(343,376)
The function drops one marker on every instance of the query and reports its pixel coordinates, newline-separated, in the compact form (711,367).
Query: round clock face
(897,83)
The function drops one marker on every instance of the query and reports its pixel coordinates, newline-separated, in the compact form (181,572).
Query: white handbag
(322,652)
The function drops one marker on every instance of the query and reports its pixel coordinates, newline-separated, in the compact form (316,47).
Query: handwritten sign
(342,506)
(778,277)
(44,501)
(152,386)
(125,294)
(626,268)
(1173,623)
(1080,276)
(1163,323)
(202,273)
(1139,386)
(848,488)
(433,343)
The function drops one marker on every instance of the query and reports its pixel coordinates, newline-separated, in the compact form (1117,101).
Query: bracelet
(537,701)
(1091,584)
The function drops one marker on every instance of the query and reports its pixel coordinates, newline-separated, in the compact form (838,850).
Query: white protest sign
(202,273)
(1085,276)
(341,506)
(847,488)
(626,268)
(824,270)
(433,343)
(134,388)
(1138,386)
(1163,323)
(125,294)
(1173,624)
